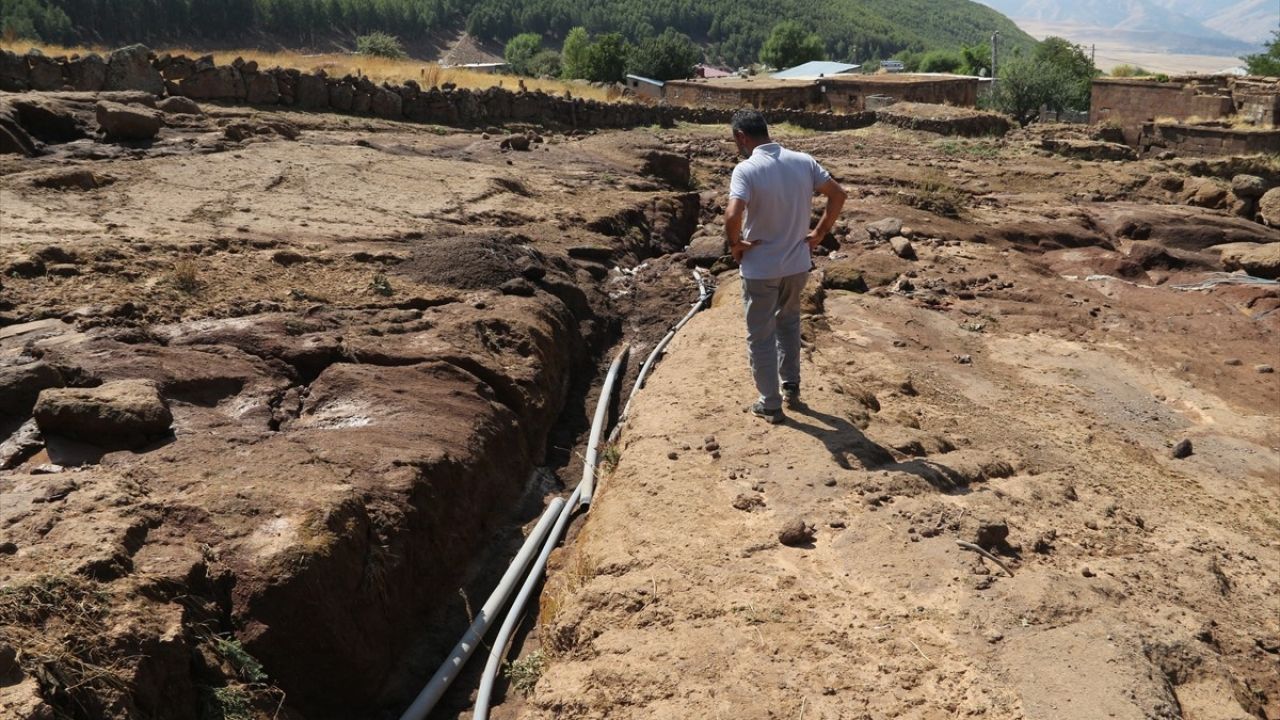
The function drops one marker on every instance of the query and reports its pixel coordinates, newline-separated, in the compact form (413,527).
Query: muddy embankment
(228,506)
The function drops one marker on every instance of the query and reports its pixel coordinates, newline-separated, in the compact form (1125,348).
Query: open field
(347,361)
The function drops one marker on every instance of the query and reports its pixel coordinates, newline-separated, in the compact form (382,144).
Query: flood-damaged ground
(281,389)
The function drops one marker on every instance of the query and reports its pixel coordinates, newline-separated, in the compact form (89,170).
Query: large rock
(844,275)
(15,76)
(1269,207)
(46,74)
(1205,193)
(884,229)
(1089,149)
(704,250)
(128,122)
(1257,259)
(386,104)
(311,92)
(261,89)
(88,74)
(178,105)
(129,68)
(124,413)
(14,139)
(215,83)
(668,166)
(22,382)
(902,247)
(1248,187)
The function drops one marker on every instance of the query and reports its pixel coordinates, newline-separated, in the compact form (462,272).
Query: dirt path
(1144,587)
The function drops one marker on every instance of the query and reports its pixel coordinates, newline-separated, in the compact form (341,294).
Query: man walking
(771,194)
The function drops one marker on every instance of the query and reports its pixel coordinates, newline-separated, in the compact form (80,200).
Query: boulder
(1269,207)
(14,138)
(88,74)
(217,83)
(515,142)
(704,250)
(46,74)
(796,533)
(342,96)
(261,89)
(386,104)
(311,92)
(1205,193)
(884,229)
(128,122)
(902,248)
(15,76)
(844,275)
(1248,187)
(22,382)
(1258,259)
(178,105)
(120,414)
(672,168)
(1089,149)
(129,68)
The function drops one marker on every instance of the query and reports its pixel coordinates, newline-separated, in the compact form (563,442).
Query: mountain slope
(1249,20)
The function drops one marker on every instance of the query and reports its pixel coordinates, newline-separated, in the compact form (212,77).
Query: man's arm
(835,203)
(733,216)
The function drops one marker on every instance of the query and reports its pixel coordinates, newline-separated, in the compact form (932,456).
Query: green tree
(380,44)
(606,59)
(520,51)
(1267,62)
(941,61)
(1071,62)
(545,64)
(573,56)
(977,59)
(1027,84)
(669,56)
(789,44)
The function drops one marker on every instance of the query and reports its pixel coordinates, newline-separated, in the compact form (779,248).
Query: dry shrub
(934,193)
(579,568)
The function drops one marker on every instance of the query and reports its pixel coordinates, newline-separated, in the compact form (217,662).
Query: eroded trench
(344,484)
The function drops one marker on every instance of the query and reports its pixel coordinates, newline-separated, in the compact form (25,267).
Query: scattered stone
(711,446)
(991,534)
(129,68)
(178,105)
(829,482)
(530,270)
(673,455)
(964,359)
(517,286)
(902,247)
(128,122)
(1091,524)
(124,413)
(884,229)
(796,532)
(22,444)
(715,454)
(838,524)
(844,276)
(1182,449)
(1233,362)
(1248,187)
(994,636)
(1087,572)
(1044,542)
(1269,207)
(748,503)
(1264,369)
(515,142)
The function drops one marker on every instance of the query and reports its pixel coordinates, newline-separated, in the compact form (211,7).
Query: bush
(545,64)
(380,44)
(573,56)
(789,44)
(941,61)
(1025,85)
(606,59)
(1127,71)
(1268,62)
(520,51)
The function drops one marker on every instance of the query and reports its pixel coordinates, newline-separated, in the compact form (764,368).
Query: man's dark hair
(751,123)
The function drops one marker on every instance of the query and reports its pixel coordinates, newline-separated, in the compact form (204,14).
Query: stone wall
(851,94)
(1206,141)
(761,94)
(1132,103)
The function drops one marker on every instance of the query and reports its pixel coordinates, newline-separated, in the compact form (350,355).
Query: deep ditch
(351,620)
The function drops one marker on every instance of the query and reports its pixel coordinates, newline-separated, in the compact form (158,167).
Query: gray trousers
(773,333)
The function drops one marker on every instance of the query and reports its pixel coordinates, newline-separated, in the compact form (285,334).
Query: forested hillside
(731,30)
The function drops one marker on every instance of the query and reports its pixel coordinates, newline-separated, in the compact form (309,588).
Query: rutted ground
(366,334)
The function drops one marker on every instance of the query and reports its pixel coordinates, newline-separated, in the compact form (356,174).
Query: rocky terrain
(280,390)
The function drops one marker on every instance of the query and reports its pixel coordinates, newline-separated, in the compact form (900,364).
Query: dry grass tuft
(578,570)
(377,69)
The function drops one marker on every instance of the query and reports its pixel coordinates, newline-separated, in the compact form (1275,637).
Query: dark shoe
(791,392)
(773,417)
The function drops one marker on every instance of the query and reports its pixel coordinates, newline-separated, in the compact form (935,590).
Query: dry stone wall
(244,82)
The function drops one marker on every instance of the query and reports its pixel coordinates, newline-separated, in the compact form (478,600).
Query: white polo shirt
(777,186)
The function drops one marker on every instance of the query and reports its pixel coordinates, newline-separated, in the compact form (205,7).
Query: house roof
(644,79)
(711,71)
(817,68)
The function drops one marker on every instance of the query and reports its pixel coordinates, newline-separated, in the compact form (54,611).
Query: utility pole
(995,41)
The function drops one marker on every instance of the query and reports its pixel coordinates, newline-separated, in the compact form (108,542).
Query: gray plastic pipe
(499,647)
(704,294)
(448,672)
(597,427)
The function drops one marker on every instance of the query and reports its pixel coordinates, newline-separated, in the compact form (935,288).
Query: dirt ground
(380,344)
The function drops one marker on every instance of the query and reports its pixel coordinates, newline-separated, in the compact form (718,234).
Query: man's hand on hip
(739,249)
(814,239)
